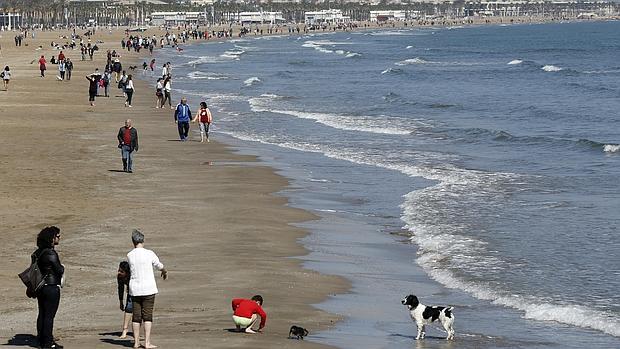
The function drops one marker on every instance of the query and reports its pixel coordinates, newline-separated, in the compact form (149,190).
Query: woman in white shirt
(142,287)
(167,91)
(129,91)
(6,77)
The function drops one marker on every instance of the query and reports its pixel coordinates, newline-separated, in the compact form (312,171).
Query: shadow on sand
(23,340)
(125,342)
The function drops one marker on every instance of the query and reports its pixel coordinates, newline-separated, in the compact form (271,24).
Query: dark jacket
(134,138)
(49,264)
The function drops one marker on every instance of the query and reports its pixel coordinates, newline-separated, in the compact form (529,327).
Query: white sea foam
(551,68)
(210,59)
(416,60)
(515,62)
(353,54)
(199,75)
(611,148)
(252,81)
(372,124)
(408,47)
(232,54)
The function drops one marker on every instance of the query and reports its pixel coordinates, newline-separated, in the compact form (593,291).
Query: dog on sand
(423,315)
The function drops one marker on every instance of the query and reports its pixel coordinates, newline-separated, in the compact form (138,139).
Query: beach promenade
(212,215)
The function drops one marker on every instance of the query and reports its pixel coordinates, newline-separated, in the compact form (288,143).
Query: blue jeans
(127,155)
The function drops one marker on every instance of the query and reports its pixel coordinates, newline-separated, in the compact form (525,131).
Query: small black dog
(297,332)
(132,67)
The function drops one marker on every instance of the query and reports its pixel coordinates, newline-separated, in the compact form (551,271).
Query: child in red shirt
(246,312)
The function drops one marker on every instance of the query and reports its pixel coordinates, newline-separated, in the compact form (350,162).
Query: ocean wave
(353,54)
(392,71)
(416,60)
(551,68)
(199,75)
(515,62)
(252,81)
(371,124)
(232,54)
(408,47)
(611,148)
(210,60)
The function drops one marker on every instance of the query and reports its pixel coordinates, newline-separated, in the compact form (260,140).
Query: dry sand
(210,214)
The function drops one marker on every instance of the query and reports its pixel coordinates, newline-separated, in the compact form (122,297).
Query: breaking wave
(252,81)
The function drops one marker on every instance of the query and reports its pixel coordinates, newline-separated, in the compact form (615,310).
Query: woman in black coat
(48,296)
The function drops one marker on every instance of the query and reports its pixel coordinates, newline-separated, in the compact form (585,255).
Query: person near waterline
(182,116)
(246,313)
(204,119)
(127,143)
(48,297)
(142,287)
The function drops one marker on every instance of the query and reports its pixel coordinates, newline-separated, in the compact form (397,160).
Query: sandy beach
(212,216)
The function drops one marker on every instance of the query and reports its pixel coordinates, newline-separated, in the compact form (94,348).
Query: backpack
(32,278)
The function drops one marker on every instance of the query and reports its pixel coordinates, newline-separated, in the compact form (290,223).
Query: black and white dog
(424,315)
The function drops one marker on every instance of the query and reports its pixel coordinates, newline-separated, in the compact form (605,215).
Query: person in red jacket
(246,313)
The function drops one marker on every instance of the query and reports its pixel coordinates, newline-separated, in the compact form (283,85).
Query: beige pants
(245,322)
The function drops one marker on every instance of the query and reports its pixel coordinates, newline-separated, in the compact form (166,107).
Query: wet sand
(211,215)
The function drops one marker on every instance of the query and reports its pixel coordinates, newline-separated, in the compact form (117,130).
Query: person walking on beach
(93,81)
(6,77)
(128,143)
(182,116)
(204,119)
(122,278)
(246,313)
(62,69)
(128,90)
(106,82)
(142,287)
(167,93)
(68,68)
(159,93)
(48,297)
(42,66)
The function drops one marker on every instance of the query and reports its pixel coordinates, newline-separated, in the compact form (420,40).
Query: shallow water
(494,148)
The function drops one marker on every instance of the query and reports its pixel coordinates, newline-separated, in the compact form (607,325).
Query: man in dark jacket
(127,142)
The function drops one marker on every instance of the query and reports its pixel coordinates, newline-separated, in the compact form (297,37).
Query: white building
(390,15)
(260,17)
(176,18)
(332,16)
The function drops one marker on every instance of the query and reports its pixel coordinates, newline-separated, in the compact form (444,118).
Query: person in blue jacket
(182,117)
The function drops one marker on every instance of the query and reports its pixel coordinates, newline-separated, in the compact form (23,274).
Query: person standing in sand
(246,313)
(142,287)
(127,143)
(42,66)
(6,77)
(93,83)
(48,297)
(204,119)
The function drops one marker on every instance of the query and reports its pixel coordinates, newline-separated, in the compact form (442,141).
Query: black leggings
(48,299)
(129,93)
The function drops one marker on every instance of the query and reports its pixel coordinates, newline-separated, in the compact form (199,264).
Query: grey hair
(137,237)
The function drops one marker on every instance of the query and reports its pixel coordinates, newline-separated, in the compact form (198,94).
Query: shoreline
(67,174)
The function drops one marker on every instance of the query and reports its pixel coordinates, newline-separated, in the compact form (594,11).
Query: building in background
(332,16)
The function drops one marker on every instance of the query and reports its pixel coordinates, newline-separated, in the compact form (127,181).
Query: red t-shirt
(246,308)
(127,136)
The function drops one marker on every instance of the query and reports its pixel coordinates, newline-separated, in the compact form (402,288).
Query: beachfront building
(176,18)
(389,15)
(260,17)
(332,16)
(10,20)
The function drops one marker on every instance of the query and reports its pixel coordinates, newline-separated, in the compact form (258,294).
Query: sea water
(477,167)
